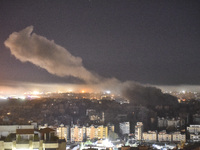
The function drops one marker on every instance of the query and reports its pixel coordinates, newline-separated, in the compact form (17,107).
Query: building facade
(164,137)
(195,129)
(78,133)
(124,128)
(31,145)
(150,136)
(139,131)
(5,130)
(178,137)
(63,132)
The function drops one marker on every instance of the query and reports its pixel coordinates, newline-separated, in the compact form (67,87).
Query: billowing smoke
(46,54)
(146,95)
(30,47)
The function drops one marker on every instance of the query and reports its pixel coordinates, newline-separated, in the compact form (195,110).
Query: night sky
(147,41)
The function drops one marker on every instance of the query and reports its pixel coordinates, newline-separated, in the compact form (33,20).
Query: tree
(19,138)
(8,138)
(112,135)
(36,137)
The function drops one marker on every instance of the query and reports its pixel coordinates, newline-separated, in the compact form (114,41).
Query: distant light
(183,92)
(83,91)
(70,90)
(36,92)
(33,96)
(108,92)
(107,143)
(22,97)
(3,97)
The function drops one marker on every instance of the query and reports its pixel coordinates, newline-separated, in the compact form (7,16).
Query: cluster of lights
(99,144)
(35,94)
(3,97)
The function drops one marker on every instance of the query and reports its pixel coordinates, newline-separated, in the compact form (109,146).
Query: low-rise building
(150,136)
(162,122)
(164,137)
(178,137)
(31,145)
(24,134)
(195,129)
(194,132)
(194,138)
(167,122)
(5,130)
(33,139)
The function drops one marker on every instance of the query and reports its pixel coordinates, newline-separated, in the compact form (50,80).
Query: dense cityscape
(89,120)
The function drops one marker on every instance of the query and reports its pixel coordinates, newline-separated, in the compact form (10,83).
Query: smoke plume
(30,47)
(146,95)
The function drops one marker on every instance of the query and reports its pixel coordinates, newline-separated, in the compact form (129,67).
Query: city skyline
(153,43)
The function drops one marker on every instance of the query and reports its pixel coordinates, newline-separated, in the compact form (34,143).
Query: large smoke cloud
(46,54)
(146,95)
(30,47)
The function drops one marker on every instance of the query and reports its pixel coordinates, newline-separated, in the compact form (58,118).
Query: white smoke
(57,60)
(30,47)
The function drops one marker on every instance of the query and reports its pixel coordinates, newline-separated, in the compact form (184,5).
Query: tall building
(139,131)
(78,134)
(102,132)
(63,132)
(91,132)
(124,128)
(96,132)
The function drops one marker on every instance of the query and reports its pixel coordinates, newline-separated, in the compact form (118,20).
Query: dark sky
(148,41)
